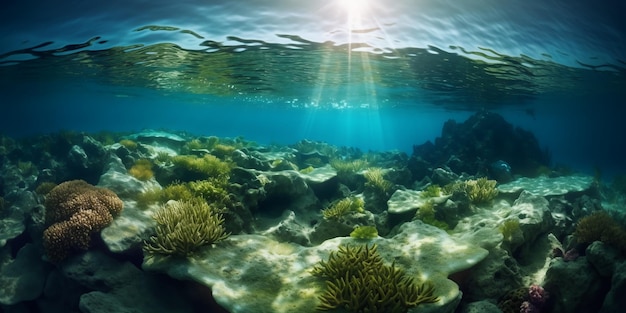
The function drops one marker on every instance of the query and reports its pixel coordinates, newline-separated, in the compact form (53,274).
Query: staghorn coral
(74,211)
(359,281)
(184,226)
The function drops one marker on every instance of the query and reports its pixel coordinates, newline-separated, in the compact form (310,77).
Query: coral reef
(74,211)
(184,226)
(359,281)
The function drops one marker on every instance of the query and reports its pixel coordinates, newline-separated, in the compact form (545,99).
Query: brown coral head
(75,210)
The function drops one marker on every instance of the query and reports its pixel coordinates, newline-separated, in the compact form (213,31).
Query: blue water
(384,76)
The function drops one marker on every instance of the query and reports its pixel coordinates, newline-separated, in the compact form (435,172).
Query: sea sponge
(359,281)
(184,226)
(74,211)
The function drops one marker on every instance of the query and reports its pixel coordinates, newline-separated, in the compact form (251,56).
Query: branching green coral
(374,177)
(364,232)
(359,281)
(480,190)
(185,226)
(343,207)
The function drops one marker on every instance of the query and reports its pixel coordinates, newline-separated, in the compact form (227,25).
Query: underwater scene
(253,156)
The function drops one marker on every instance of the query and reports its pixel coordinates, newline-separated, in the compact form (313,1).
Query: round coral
(74,211)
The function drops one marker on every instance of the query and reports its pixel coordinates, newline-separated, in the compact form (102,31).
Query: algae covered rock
(253,273)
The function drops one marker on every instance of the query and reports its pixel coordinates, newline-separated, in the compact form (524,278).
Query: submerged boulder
(484,138)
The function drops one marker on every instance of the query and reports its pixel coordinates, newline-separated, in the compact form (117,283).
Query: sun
(354,6)
(355,11)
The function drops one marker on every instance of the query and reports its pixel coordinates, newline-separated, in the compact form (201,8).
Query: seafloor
(477,221)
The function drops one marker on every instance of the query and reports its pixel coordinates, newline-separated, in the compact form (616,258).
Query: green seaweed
(364,232)
(431,191)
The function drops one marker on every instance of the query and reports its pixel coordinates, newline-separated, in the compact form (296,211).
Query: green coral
(600,226)
(374,178)
(184,226)
(481,190)
(357,280)
(343,207)
(364,232)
